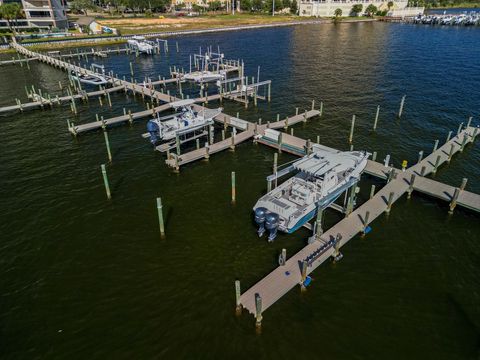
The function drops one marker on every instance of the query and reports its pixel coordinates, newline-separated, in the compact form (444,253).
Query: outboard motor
(260,220)
(152,128)
(271,223)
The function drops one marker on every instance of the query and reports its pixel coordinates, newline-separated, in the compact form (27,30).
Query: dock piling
(365,222)
(160,217)
(420,156)
(464,184)
(410,186)
(107,144)
(105,181)
(459,128)
(350,138)
(321,109)
(450,154)
(234,195)
(258,311)
(376,118)
(437,162)
(402,102)
(389,202)
(449,136)
(469,122)
(319,222)
(453,203)
(435,146)
(372,191)
(304,275)
(238,305)
(464,142)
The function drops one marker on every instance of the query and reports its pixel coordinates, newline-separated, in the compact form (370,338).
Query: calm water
(82,277)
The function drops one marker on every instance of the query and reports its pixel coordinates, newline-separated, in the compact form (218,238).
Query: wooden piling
(372,191)
(450,154)
(304,275)
(402,102)
(105,181)
(107,144)
(365,222)
(390,202)
(410,186)
(258,310)
(435,146)
(376,118)
(453,203)
(464,142)
(437,162)
(234,195)
(420,156)
(160,217)
(238,305)
(350,138)
(449,136)
(321,109)
(279,142)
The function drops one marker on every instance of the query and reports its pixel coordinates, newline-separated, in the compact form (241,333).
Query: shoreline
(107,40)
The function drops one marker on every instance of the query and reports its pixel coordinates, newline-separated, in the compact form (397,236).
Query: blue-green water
(82,277)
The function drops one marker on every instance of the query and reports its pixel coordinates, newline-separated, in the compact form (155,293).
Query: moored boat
(320,179)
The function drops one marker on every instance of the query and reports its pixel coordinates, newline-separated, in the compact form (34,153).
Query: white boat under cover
(204,76)
(90,79)
(182,123)
(141,44)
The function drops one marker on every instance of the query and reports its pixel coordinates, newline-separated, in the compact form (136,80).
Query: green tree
(257,5)
(371,10)
(337,12)
(390,5)
(356,9)
(294,7)
(11,11)
(215,5)
(82,6)
(246,5)
(287,4)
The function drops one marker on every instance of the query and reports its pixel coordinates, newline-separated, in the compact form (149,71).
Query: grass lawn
(171,23)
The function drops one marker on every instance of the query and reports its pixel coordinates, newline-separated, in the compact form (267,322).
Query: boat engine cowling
(272,221)
(260,214)
(153,129)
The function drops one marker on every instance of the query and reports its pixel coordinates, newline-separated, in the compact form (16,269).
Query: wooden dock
(57,100)
(249,131)
(324,245)
(276,284)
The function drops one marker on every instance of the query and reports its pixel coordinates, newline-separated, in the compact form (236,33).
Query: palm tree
(337,12)
(390,5)
(9,12)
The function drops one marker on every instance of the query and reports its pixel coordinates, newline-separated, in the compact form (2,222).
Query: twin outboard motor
(271,223)
(153,129)
(260,220)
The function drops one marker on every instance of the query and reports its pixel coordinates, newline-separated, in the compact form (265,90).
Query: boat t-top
(141,44)
(90,79)
(320,179)
(185,121)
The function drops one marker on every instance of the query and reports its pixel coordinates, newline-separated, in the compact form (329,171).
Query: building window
(40,14)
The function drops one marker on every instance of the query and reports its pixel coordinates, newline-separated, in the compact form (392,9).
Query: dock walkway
(284,278)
